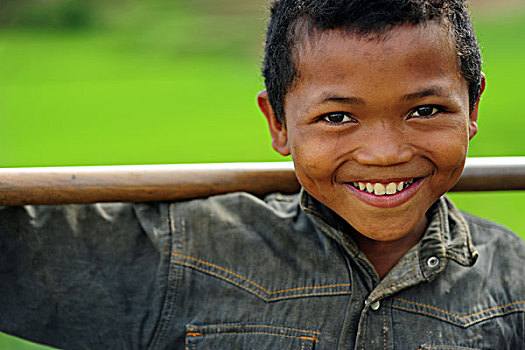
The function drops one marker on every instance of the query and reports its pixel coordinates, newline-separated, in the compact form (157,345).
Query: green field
(106,97)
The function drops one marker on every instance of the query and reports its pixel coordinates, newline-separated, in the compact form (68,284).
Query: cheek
(314,159)
(449,144)
(449,155)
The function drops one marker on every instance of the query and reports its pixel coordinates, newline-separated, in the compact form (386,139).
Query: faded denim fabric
(238,272)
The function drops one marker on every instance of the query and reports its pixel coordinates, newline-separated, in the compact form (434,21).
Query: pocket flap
(249,336)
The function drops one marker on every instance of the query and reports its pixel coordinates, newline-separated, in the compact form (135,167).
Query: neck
(384,255)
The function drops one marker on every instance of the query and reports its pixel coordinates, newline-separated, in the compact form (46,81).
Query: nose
(383,146)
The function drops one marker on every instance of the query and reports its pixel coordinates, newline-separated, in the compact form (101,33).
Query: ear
(277,129)
(473,122)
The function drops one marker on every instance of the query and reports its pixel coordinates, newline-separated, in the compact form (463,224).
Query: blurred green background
(99,82)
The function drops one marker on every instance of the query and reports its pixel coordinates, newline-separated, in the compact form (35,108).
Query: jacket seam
(443,347)
(253,283)
(459,324)
(194,328)
(459,316)
(456,315)
(267,299)
(314,339)
(174,276)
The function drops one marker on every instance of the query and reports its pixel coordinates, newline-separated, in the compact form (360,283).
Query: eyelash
(435,110)
(347,116)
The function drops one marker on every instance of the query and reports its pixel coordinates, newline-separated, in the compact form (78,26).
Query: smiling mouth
(384,189)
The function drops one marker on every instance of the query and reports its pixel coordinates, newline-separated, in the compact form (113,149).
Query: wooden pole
(142,183)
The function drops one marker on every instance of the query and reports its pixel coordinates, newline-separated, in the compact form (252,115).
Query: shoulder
(237,219)
(493,237)
(268,246)
(239,200)
(501,258)
(237,209)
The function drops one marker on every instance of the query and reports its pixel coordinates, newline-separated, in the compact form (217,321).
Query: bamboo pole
(142,183)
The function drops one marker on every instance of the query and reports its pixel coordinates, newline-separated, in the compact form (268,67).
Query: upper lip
(349,172)
(388,180)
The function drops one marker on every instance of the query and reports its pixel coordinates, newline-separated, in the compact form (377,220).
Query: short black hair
(290,18)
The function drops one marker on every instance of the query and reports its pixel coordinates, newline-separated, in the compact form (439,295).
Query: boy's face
(390,114)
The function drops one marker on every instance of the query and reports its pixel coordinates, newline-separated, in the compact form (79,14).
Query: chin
(382,234)
(386,229)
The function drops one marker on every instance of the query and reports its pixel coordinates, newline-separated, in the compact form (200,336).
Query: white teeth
(379,189)
(391,188)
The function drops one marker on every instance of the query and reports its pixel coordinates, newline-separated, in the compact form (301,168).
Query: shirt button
(375,306)
(432,262)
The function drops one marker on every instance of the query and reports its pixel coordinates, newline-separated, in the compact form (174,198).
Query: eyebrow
(331,97)
(432,91)
(345,100)
(350,100)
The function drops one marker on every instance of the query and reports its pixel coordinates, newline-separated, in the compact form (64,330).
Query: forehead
(424,51)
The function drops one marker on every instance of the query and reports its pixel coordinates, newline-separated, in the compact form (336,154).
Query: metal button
(432,262)
(375,306)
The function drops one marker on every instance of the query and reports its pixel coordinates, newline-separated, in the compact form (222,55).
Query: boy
(376,102)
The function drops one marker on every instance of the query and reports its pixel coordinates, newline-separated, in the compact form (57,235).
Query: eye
(424,112)
(337,118)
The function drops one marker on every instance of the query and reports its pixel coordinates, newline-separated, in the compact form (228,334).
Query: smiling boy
(376,101)
(372,112)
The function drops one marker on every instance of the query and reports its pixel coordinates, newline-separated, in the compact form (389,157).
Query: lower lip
(387,201)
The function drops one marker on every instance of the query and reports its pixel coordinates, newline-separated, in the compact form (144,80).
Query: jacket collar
(447,234)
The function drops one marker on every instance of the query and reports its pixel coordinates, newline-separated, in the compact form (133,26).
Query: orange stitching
(257,285)
(196,334)
(496,307)
(251,325)
(493,315)
(423,313)
(456,315)
(273,334)
(444,347)
(455,322)
(314,339)
(307,295)
(256,293)
(187,344)
(223,277)
(428,306)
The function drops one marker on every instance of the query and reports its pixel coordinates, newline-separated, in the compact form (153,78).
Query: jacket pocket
(249,336)
(457,319)
(445,347)
(300,289)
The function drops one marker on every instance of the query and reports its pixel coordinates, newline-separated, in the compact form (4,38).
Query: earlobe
(473,119)
(277,129)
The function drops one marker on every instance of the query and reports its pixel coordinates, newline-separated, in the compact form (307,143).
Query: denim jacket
(239,272)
